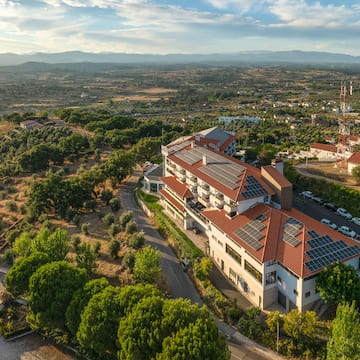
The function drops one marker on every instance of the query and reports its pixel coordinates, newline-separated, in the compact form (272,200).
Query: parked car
(347,231)
(318,200)
(344,213)
(356,220)
(329,223)
(330,206)
(307,194)
(184,264)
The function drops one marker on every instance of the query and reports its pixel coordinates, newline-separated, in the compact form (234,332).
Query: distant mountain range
(262,57)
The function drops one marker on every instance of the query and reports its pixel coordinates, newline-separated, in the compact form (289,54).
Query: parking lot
(317,211)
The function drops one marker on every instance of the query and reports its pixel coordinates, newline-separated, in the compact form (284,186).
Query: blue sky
(166,26)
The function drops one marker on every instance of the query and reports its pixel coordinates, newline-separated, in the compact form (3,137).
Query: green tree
(50,292)
(199,340)
(80,299)
(55,244)
(106,196)
(86,258)
(18,276)
(125,218)
(301,328)
(147,265)
(114,247)
(355,172)
(115,204)
(23,244)
(140,334)
(131,227)
(146,148)
(338,283)
(100,318)
(345,334)
(136,240)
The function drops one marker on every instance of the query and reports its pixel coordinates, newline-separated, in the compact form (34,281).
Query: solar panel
(325,251)
(261,217)
(251,233)
(313,234)
(292,229)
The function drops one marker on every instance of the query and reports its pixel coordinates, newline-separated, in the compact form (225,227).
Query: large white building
(269,250)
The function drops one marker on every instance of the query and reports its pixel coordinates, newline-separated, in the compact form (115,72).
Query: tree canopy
(338,283)
(50,292)
(80,299)
(345,334)
(18,276)
(147,265)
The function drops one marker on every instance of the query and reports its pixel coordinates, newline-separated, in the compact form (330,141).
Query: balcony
(219,196)
(193,179)
(182,171)
(205,187)
(193,189)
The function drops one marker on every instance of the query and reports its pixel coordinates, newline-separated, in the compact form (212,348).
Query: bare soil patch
(334,171)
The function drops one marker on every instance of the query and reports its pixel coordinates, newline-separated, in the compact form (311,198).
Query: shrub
(129,259)
(108,219)
(9,256)
(131,227)
(115,204)
(114,247)
(114,230)
(136,240)
(11,205)
(106,196)
(85,228)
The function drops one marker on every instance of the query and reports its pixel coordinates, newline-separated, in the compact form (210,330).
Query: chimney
(205,160)
(192,144)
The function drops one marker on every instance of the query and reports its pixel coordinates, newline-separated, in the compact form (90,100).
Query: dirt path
(310,169)
(32,347)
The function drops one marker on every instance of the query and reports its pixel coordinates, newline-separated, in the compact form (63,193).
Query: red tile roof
(354,158)
(324,147)
(233,194)
(274,248)
(173,201)
(227,143)
(178,187)
(280,179)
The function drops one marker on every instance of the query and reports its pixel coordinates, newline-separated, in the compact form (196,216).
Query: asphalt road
(245,352)
(178,281)
(319,212)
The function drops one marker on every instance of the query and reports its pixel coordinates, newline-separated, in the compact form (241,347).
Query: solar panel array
(179,146)
(251,233)
(253,188)
(325,251)
(292,229)
(221,169)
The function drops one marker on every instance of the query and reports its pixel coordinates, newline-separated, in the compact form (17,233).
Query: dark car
(330,206)
(318,200)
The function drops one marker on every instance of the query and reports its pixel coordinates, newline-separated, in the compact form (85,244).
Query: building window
(307,294)
(295,292)
(233,254)
(279,279)
(255,273)
(270,278)
(220,243)
(232,273)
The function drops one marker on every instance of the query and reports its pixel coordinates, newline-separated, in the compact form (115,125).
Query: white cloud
(299,13)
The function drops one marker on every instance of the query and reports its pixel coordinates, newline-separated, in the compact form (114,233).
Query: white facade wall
(286,283)
(351,166)
(243,280)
